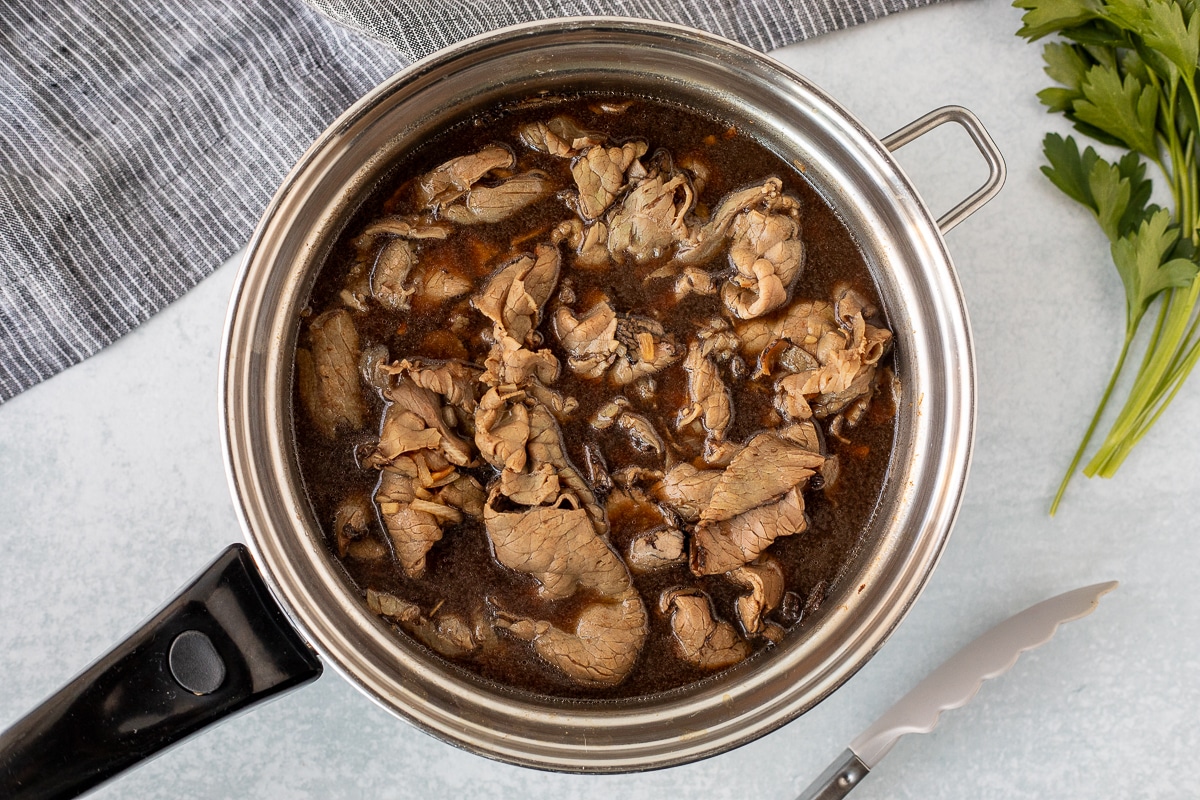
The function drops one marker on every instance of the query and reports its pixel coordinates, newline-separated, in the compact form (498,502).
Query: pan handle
(982,140)
(221,645)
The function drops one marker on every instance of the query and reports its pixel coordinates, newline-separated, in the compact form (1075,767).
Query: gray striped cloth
(140,142)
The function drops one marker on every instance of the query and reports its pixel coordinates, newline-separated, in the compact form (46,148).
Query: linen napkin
(140,142)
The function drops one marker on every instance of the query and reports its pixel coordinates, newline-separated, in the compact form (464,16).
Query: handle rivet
(195,663)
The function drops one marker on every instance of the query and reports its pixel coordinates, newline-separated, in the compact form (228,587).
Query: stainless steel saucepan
(258,622)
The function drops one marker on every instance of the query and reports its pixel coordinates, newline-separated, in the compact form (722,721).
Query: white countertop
(113,494)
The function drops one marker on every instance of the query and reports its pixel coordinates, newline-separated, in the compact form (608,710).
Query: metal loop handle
(982,140)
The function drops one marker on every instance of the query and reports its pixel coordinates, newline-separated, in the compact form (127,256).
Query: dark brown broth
(462,561)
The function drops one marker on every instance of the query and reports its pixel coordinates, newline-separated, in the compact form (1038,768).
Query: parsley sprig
(1126,75)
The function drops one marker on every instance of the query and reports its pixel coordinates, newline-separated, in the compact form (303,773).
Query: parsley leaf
(1044,17)
(1067,65)
(1068,169)
(1097,33)
(1164,31)
(1111,193)
(1176,39)
(1116,193)
(1125,109)
(1133,169)
(1139,260)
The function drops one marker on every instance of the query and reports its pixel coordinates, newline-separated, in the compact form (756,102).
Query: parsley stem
(1129,442)
(1149,384)
(1155,337)
(1182,353)
(1087,436)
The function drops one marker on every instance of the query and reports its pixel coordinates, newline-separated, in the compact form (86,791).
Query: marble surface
(113,494)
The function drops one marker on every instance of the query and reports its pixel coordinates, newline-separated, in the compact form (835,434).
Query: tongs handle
(838,778)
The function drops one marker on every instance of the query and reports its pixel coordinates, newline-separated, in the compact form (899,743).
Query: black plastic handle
(221,645)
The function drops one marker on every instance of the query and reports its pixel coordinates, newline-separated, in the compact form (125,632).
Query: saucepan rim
(923,300)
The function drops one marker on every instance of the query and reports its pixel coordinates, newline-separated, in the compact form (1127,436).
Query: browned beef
(328,374)
(700,638)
